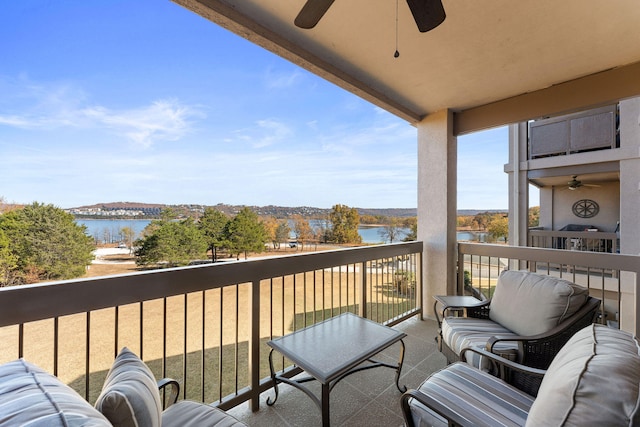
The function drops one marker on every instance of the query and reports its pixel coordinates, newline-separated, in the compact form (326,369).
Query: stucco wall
(607,196)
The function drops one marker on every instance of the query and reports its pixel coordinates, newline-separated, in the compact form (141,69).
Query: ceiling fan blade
(311,13)
(428,14)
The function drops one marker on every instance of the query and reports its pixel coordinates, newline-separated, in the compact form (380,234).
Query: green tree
(277,230)
(212,224)
(168,214)
(45,243)
(465,221)
(322,230)
(534,216)
(370,219)
(246,233)
(303,230)
(173,242)
(412,225)
(271,227)
(498,227)
(282,232)
(127,235)
(344,224)
(392,230)
(8,261)
(481,220)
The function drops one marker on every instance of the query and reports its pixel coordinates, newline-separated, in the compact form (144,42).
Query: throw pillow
(130,396)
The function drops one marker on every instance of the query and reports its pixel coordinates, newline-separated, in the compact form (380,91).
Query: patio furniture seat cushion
(30,396)
(463,332)
(593,380)
(532,315)
(531,304)
(130,394)
(187,413)
(130,398)
(475,394)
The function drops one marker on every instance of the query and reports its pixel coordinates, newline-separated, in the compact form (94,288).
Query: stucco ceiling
(484,52)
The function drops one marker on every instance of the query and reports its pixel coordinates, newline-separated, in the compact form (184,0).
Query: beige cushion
(462,332)
(593,380)
(191,414)
(30,396)
(130,396)
(531,304)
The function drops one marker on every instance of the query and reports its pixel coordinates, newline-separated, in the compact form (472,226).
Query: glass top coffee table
(331,350)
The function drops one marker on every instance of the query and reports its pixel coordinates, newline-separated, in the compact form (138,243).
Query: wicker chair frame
(536,351)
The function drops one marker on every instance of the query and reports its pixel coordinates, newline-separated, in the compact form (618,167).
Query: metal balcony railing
(613,278)
(204,325)
(592,241)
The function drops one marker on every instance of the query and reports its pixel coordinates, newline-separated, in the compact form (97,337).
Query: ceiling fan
(428,14)
(575,183)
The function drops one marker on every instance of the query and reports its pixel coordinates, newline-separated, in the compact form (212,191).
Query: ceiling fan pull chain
(396,54)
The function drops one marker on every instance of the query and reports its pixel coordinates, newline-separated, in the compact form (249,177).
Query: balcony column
(518,185)
(437,205)
(629,207)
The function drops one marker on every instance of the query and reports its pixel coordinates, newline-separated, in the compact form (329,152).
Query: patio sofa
(130,397)
(528,319)
(593,381)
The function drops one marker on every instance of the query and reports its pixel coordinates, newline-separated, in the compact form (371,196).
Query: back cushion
(30,396)
(130,396)
(593,380)
(530,303)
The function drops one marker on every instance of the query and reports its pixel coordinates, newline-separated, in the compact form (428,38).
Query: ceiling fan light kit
(574,183)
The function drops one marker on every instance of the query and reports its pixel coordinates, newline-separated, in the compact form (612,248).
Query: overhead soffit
(585,178)
(484,52)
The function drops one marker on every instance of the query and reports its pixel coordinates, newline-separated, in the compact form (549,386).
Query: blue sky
(114,100)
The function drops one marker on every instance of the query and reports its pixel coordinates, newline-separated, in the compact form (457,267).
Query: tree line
(177,243)
(496,224)
(41,242)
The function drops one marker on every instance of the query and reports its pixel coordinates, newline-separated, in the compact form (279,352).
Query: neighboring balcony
(574,133)
(590,241)
(207,325)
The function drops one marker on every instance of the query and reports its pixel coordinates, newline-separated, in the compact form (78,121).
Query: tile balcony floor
(367,398)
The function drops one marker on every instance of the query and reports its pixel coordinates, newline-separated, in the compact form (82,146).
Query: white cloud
(264,133)
(166,120)
(281,80)
(62,105)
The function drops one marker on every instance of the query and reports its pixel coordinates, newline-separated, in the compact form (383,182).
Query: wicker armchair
(528,331)
(572,392)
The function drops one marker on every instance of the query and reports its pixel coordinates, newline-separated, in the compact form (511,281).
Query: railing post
(460,290)
(254,346)
(419,280)
(362,304)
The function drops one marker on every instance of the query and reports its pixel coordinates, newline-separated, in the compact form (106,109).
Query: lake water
(109,230)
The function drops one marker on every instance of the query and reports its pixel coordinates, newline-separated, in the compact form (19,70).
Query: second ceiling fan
(428,14)
(574,184)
